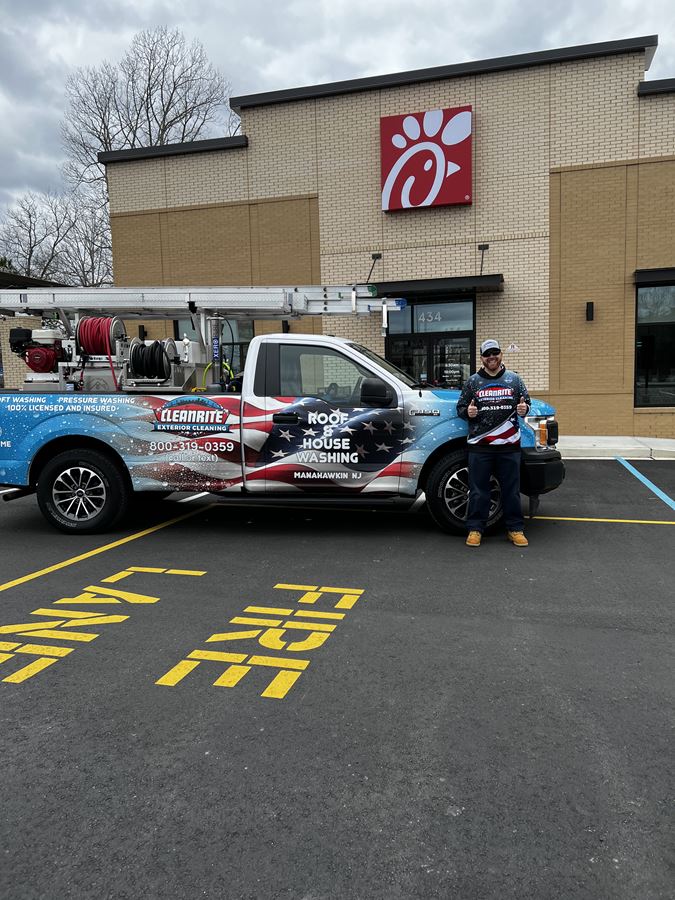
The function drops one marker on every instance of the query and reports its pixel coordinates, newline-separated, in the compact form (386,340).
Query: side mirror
(375,393)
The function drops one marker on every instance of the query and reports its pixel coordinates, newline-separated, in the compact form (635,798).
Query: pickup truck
(312,420)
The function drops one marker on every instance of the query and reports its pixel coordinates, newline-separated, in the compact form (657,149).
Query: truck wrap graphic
(204,442)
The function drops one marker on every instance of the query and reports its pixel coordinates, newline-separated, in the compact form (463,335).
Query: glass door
(433,341)
(450,360)
(410,354)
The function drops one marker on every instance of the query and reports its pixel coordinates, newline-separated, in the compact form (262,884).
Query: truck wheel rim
(456,495)
(79,494)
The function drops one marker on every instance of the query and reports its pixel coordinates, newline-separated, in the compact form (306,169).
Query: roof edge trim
(499,64)
(662,86)
(227,143)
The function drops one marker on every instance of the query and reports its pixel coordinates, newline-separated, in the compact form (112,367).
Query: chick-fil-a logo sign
(426,158)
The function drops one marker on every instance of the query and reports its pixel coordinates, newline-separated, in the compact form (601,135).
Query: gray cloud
(262,46)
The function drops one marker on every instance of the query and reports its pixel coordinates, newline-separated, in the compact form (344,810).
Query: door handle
(286,418)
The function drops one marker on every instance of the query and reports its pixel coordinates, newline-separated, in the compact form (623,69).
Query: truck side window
(320,372)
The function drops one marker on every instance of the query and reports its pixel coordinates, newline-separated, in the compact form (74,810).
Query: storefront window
(433,342)
(655,346)
(443,317)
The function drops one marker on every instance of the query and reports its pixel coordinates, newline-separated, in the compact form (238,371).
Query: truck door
(323,436)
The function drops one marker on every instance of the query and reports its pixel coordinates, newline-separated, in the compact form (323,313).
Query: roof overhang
(435,288)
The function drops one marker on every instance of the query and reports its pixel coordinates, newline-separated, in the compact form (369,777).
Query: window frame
(430,336)
(318,349)
(638,288)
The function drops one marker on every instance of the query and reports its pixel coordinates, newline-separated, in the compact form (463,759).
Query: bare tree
(86,255)
(33,233)
(163,91)
(59,237)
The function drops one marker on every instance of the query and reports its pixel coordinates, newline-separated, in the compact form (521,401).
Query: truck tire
(82,492)
(447,493)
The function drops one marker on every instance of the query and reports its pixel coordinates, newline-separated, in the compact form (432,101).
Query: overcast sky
(261,46)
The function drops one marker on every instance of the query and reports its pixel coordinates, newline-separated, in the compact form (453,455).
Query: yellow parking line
(106,547)
(621,521)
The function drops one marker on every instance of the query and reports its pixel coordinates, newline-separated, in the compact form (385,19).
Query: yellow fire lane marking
(45,650)
(280,611)
(76,559)
(30,670)
(312,614)
(619,521)
(177,674)
(113,579)
(186,572)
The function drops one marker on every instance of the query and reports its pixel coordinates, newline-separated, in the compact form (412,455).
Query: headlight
(545,430)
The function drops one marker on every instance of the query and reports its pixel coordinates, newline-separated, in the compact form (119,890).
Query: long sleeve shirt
(495,428)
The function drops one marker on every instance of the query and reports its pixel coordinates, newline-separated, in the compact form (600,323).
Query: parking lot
(262,704)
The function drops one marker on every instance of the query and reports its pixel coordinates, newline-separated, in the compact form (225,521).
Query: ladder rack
(231,302)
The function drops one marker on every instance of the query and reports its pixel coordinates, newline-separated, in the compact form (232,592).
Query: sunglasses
(491,353)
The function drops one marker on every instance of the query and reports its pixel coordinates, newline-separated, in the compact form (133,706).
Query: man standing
(491,401)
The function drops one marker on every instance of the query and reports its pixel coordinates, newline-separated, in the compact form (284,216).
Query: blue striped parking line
(647,483)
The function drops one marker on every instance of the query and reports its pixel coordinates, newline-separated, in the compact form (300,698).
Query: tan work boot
(473,539)
(518,538)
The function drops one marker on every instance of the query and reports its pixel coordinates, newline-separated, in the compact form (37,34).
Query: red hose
(93,336)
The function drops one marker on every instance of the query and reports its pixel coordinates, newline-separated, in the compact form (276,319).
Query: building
(538,211)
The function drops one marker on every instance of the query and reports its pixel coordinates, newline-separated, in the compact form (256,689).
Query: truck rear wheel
(82,492)
(448,494)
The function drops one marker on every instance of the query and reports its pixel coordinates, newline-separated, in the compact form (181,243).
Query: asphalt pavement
(490,723)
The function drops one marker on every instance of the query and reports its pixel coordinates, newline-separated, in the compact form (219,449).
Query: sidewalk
(584,447)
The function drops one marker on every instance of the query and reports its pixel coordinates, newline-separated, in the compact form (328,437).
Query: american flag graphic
(315,454)
(506,433)
(319,447)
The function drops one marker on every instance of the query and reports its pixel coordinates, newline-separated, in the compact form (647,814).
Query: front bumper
(541,471)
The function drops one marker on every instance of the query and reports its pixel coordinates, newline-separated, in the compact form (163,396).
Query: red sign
(426,158)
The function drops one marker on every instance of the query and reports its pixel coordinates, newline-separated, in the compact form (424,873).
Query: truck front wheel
(447,493)
(82,492)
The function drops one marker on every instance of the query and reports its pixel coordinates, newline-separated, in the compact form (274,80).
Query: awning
(654,277)
(435,288)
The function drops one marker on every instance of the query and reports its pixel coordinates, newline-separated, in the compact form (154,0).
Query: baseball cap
(489,345)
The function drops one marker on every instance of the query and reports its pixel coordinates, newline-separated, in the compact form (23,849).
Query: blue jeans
(506,468)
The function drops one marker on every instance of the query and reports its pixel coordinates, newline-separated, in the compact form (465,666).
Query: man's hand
(521,409)
(472,409)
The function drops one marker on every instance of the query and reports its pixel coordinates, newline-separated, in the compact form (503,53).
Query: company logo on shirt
(494,393)
(426,158)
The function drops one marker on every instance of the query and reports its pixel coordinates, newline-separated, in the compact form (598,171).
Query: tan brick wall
(137,185)
(15,369)
(656,214)
(183,180)
(230,244)
(606,222)
(282,151)
(657,125)
(364,330)
(594,109)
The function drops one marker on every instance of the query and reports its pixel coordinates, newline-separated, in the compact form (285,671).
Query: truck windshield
(385,364)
